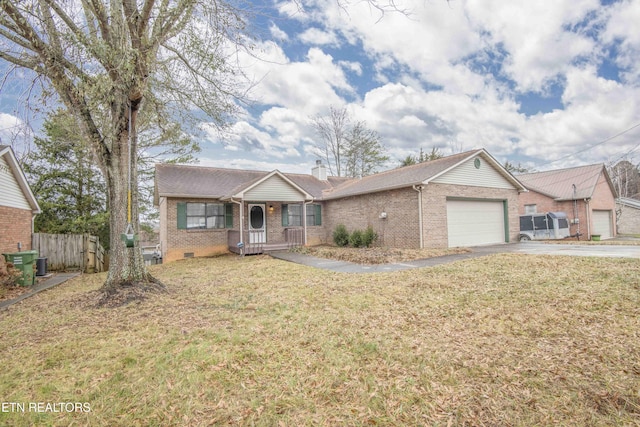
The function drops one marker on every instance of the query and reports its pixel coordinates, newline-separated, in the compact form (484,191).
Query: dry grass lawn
(509,340)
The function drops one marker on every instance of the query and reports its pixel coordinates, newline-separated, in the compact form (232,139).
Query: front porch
(253,241)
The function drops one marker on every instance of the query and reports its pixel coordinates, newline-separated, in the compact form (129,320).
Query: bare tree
(363,151)
(106,60)
(332,130)
(625,177)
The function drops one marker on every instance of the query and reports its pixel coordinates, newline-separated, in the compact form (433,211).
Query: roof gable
(480,170)
(424,173)
(16,191)
(274,186)
(188,181)
(567,184)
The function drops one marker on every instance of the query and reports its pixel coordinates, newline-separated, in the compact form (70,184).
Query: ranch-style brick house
(585,193)
(18,205)
(466,199)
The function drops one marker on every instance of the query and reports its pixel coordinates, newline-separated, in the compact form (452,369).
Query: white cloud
(448,76)
(317,37)
(534,36)
(277,33)
(596,109)
(308,86)
(354,67)
(15,132)
(622,27)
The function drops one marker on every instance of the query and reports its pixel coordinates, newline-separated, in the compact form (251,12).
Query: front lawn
(509,339)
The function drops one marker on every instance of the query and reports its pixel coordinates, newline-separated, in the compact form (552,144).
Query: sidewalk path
(350,267)
(55,280)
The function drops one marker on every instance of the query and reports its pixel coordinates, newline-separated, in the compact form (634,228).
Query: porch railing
(294,237)
(253,241)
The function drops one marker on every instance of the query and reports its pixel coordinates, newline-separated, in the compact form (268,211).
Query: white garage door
(602,224)
(472,222)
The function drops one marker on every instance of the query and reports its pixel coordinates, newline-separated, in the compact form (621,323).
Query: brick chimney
(319,171)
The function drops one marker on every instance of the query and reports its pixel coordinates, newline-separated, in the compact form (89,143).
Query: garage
(602,224)
(475,222)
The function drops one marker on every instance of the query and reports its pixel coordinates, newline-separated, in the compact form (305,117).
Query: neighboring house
(585,193)
(628,215)
(466,199)
(18,206)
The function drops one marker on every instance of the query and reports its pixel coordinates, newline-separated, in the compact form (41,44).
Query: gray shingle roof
(398,178)
(215,183)
(559,183)
(201,182)
(206,182)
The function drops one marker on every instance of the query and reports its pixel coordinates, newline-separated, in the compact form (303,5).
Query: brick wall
(176,243)
(629,220)
(15,226)
(399,229)
(547,204)
(602,199)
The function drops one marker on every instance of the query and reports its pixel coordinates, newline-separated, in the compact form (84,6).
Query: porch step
(258,249)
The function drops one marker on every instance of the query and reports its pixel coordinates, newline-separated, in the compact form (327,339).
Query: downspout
(586,202)
(418,188)
(575,211)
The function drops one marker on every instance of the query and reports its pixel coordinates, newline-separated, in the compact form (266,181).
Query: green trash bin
(25,262)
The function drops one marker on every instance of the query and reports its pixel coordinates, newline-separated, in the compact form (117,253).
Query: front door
(257,228)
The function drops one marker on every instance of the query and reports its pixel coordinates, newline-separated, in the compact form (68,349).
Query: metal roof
(566,184)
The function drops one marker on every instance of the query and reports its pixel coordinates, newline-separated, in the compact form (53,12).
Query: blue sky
(533,82)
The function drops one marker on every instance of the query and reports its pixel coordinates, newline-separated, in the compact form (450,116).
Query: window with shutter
(182,216)
(228,215)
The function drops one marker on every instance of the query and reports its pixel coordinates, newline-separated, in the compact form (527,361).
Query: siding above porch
(274,187)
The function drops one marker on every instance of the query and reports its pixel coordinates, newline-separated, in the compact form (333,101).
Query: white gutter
(418,188)
(586,201)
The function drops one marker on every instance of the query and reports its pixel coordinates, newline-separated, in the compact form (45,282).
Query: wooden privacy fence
(70,252)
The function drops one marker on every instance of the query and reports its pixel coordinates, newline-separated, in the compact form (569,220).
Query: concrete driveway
(609,251)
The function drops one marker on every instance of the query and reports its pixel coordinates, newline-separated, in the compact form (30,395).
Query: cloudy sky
(549,83)
(544,83)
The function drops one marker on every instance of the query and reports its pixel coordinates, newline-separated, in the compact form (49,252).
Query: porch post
(304,222)
(242,220)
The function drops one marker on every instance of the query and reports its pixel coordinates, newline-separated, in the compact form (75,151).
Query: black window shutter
(285,215)
(318,214)
(228,215)
(182,216)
